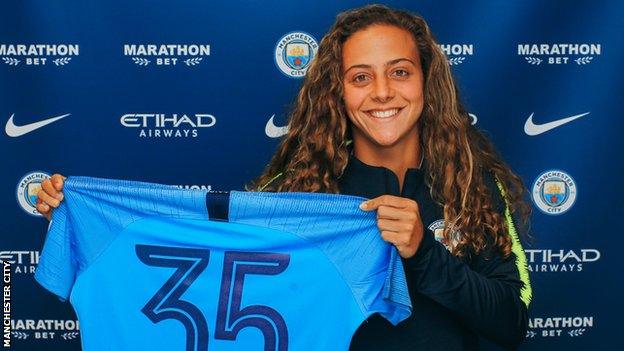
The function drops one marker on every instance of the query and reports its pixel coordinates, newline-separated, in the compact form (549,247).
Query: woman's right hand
(50,195)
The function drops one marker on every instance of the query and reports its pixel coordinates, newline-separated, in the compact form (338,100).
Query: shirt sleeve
(56,270)
(490,295)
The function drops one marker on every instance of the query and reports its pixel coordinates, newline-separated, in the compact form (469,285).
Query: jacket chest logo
(437,227)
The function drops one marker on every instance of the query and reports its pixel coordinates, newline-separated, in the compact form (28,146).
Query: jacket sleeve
(490,295)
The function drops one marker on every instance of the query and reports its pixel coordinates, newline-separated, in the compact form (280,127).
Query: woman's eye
(360,78)
(401,73)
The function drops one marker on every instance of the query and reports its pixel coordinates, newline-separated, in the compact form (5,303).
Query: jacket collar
(369,181)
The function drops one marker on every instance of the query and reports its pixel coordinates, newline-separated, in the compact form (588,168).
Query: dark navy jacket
(455,300)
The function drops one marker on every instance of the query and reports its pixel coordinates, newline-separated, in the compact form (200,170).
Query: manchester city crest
(294,52)
(297,54)
(27,189)
(437,227)
(554,192)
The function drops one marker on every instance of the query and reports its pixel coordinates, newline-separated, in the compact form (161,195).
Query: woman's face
(383,85)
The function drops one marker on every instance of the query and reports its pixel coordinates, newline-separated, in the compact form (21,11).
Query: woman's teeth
(384,113)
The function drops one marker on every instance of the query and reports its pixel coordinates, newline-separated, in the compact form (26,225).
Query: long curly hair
(314,153)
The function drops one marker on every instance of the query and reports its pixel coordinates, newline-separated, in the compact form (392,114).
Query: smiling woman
(379,116)
(383,94)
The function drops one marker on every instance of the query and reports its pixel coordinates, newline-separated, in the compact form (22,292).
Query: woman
(379,116)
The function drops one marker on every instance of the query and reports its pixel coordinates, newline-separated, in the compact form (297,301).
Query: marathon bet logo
(45,329)
(456,53)
(554,261)
(38,54)
(559,54)
(160,125)
(22,262)
(550,327)
(166,54)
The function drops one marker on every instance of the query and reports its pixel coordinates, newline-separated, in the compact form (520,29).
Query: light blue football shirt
(146,269)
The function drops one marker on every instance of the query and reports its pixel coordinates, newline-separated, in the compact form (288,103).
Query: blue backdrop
(180,92)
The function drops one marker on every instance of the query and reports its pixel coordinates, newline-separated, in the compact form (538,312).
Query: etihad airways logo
(166,54)
(38,54)
(160,125)
(533,129)
(559,54)
(13,130)
(22,262)
(554,261)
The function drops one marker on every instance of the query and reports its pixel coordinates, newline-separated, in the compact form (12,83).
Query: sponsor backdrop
(196,94)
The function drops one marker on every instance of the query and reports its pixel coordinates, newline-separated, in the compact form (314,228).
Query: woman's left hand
(399,221)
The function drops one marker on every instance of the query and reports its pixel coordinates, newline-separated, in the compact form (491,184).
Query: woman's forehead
(378,44)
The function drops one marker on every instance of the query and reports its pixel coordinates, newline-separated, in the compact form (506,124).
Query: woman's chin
(385,141)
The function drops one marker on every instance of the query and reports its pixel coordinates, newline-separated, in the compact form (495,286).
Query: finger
(384,200)
(390,236)
(400,241)
(402,250)
(49,189)
(388,200)
(43,208)
(395,226)
(393,213)
(47,186)
(57,181)
(49,200)
(373,204)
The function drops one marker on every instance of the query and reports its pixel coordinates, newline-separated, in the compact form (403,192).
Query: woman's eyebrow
(395,61)
(389,63)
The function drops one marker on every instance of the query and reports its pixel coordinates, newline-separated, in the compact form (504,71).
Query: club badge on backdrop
(294,52)
(554,192)
(27,189)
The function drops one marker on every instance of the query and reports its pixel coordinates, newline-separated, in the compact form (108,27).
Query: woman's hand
(399,221)
(50,195)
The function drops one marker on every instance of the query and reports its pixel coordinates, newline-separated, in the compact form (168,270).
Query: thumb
(367,205)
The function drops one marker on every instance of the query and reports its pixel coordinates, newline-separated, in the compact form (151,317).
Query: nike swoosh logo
(14,131)
(273,131)
(533,129)
(473,118)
